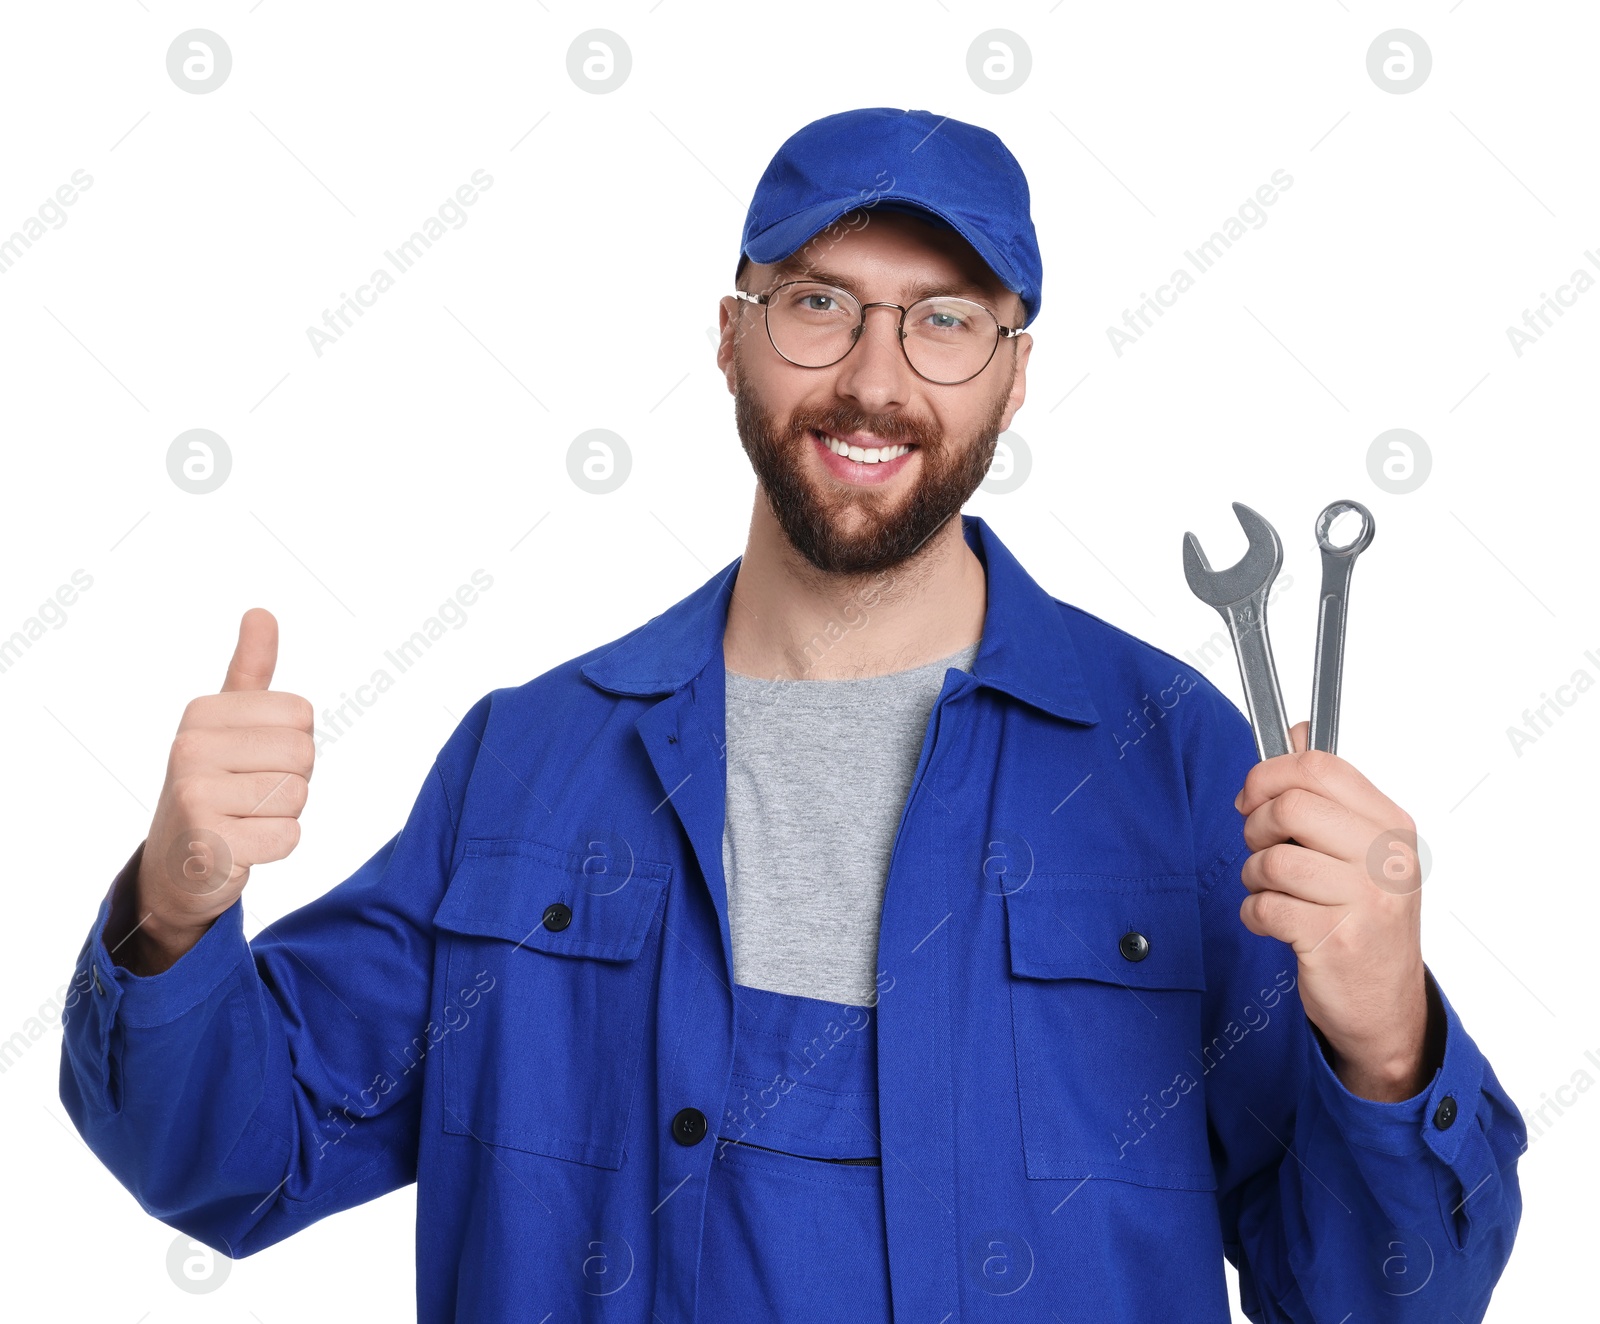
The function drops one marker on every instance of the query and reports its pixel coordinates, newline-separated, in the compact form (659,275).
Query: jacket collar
(1026,651)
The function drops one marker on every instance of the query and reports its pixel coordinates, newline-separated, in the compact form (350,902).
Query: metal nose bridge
(900,331)
(882,303)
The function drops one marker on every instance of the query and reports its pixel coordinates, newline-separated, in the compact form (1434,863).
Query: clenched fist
(236,783)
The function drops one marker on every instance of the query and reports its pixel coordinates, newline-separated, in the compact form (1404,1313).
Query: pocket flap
(504,886)
(1074,927)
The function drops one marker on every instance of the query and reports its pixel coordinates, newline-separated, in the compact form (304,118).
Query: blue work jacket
(1094,1083)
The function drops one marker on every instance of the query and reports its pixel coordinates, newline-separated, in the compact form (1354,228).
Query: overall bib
(790,1235)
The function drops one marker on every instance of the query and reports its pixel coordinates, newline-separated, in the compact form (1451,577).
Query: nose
(875,373)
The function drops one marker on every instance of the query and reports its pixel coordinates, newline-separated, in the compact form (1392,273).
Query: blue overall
(420,1022)
(789,1234)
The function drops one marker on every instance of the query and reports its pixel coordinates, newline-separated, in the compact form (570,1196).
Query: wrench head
(1254,572)
(1331,512)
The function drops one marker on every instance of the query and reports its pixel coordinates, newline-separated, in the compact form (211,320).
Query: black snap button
(557,916)
(688,1126)
(1445,1113)
(98,986)
(1134,945)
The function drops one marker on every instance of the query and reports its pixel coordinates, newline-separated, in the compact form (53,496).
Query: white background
(368,483)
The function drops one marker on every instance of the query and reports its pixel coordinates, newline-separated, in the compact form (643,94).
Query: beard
(890,527)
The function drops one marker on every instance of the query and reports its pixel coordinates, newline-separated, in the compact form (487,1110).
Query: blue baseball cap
(900,160)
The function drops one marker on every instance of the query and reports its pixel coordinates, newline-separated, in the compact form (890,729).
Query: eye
(946,319)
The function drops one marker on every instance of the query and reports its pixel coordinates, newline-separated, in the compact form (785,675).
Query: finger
(214,859)
(1301,924)
(1295,871)
(244,708)
(1328,775)
(257,794)
(1312,820)
(255,656)
(1300,737)
(277,749)
(262,840)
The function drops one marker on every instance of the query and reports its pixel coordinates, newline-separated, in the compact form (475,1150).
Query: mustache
(892,429)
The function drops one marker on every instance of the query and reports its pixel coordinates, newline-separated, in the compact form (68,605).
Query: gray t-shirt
(818,775)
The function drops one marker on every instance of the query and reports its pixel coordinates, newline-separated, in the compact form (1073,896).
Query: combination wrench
(1338,564)
(1240,594)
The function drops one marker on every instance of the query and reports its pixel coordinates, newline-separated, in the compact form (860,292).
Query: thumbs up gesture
(236,783)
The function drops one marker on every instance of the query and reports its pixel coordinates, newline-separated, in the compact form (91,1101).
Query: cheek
(769,381)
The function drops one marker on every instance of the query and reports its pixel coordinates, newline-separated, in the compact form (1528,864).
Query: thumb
(256,654)
(1300,736)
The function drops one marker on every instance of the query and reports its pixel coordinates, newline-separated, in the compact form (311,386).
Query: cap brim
(785,237)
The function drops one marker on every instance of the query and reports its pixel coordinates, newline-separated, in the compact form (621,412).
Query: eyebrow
(922,289)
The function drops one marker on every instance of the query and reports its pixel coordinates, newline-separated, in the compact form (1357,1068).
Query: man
(870,935)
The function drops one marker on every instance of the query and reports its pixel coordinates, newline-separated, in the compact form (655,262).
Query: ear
(728,319)
(1019,383)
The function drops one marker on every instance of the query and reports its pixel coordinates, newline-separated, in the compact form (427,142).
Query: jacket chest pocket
(1106,985)
(558,965)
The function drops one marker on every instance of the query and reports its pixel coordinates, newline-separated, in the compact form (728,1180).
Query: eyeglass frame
(764,302)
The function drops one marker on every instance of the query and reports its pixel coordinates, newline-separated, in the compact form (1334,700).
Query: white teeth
(876,455)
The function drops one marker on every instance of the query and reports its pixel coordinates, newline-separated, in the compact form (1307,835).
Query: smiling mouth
(880,454)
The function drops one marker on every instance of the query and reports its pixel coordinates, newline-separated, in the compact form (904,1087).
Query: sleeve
(1334,1206)
(255,1087)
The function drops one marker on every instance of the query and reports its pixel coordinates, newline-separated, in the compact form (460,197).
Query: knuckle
(1318,762)
(302,753)
(1274,864)
(1296,802)
(186,748)
(1277,907)
(1264,908)
(1304,806)
(289,791)
(188,796)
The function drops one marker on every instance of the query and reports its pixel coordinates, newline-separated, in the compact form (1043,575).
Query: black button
(557,916)
(1134,945)
(98,986)
(1445,1113)
(688,1126)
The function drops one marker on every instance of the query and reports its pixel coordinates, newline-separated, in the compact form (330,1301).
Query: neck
(788,620)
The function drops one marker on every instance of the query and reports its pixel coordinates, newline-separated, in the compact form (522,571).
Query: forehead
(890,255)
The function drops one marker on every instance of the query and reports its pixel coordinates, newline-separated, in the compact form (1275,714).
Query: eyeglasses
(946,340)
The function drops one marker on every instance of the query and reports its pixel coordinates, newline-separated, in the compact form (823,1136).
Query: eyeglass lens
(947,339)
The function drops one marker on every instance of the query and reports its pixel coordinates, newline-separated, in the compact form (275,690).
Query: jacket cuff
(145,1001)
(1439,1117)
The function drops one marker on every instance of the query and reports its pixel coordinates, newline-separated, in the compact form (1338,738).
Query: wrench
(1239,593)
(1338,563)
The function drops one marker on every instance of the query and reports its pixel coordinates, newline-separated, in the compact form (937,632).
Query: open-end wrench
(1240,594)
(1337,565)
